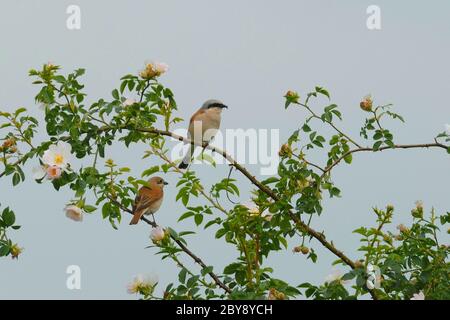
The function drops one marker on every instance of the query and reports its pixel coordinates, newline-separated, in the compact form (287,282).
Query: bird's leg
(206,143)
(153,217)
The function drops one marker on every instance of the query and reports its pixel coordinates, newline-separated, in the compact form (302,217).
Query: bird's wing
(143,201)
(195,115)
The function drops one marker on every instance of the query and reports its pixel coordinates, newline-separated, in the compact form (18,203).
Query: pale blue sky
(247,53)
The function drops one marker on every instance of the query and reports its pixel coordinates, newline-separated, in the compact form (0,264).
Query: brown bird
(148,199)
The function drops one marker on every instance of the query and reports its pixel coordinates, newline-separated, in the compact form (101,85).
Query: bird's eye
(160,181)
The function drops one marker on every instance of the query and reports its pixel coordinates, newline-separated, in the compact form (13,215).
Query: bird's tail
(137,216)
(187,158)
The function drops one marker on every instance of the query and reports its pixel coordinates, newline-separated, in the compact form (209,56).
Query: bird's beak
(165,183)
(224,106)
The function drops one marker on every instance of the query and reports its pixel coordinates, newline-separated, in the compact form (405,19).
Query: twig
(398,146)
(180,244)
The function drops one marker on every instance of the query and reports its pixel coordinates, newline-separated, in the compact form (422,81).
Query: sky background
(246,53)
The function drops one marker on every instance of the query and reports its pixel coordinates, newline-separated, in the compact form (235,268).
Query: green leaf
(198,218)
(8,217)
(150,171)
(89,208)
(4,250)
(182,275)
(348,158)
(377,145)
(348,276)
(16,179)
(106,209)
(220,233)
(207,270)
(186,215)
(115,94)
(306,128)
(323,92)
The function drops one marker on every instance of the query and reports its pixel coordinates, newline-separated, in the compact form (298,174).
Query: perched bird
(148,199)
(203,126)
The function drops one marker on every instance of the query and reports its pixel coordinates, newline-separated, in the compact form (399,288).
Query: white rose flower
(58,155)
(128,102)
(418,296)
(73,212)
(39,172)
(142,284)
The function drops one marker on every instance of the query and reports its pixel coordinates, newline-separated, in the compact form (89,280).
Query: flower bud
(157,234)
(402,228)
(417,212)
(359,264)
(8,143)
(387,238)
(301,249)
(398,237)
(285,151)
(366,104)
(274,294)
(292,96)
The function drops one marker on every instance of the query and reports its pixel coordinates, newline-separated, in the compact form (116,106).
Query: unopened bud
(417,212)
(8,143)
(402,228)
(359,264)
(285,151)
(387,238)
(292,96)
(301,249)
(366,104)
(276,295)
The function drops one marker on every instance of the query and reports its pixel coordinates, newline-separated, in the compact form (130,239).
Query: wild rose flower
(128,102)
(154,69)
(39,172)
(15,251)
(73,212)
(58,155)
(160,68)
(335,276)
(418,296)
(143,284)
(53,172)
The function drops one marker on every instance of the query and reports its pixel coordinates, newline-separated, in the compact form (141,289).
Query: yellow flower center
(59,159)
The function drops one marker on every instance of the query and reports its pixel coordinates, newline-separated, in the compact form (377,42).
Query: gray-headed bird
(203,126)
(148,199)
